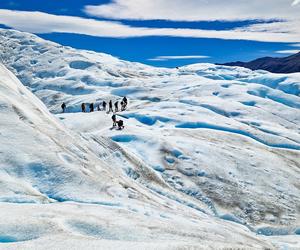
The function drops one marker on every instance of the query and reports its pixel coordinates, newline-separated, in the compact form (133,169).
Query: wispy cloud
(286,12)
(167,58)
(288,51)
(295,2)
(40,22)
(196,10)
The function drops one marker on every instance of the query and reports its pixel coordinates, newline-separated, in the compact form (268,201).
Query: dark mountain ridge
(289,64)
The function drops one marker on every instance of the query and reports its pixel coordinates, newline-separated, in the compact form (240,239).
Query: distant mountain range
(289,64)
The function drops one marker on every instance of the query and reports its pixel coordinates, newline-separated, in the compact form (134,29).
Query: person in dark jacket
(92,107)
(125,100)
(104,105)
(83,107)
(114,119)
(122,105)
(63,106)
(110,106)
(120,124)
(116,106)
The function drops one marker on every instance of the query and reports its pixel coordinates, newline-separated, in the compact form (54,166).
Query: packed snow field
(209,157)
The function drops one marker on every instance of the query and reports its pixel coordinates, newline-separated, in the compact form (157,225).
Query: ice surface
(58,185)
(207,149)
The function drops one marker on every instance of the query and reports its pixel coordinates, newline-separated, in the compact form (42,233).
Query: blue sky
(165,33)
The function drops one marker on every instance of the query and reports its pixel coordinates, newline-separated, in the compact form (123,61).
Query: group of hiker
(103,107)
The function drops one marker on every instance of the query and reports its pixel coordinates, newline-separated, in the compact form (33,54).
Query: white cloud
(197,10)
(166,58)
(285,11)
(39,22)
(288,51)
(295,2)
(288,27)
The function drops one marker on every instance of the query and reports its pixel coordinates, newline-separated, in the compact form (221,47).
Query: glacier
(209,157)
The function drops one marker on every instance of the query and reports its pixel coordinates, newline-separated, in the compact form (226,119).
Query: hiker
(92,107)
(83,107)
(63,106)
(110,108)
(114,119)
(120,124)
(116,106)
(122,105)
(98,107)
(104,105)
(125,100)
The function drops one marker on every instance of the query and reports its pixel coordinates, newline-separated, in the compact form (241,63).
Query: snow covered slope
(221,140)
(57,192)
